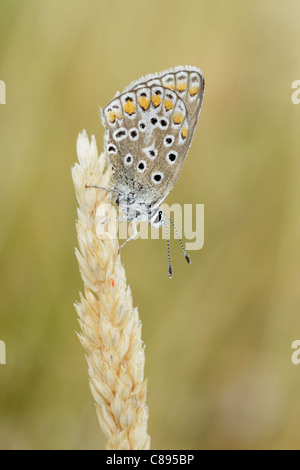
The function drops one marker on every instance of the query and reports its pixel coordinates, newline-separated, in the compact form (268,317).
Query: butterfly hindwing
(149,128)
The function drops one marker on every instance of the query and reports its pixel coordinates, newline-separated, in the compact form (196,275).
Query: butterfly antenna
(180,241)
(168,245)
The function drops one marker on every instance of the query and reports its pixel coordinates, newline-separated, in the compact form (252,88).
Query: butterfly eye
(157,219)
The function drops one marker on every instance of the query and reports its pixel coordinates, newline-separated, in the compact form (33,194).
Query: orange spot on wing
(111,116)
(171,86)
(112,282)
(194,90)
(178,117)
(169,104)
(181,86)
(118,115)
(184,132)
(129,107)
(156,100)
(144,102)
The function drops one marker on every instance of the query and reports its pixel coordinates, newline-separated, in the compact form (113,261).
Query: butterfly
(148,131)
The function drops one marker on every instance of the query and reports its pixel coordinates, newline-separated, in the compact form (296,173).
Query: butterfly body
(133,208)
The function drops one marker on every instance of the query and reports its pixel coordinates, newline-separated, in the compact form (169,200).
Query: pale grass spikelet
(110,326)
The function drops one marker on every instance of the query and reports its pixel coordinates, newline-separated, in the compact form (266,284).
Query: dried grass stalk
(110,326)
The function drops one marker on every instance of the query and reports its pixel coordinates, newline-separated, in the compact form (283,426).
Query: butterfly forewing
(149,128)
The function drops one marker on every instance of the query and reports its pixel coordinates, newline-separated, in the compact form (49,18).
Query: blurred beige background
(218,336)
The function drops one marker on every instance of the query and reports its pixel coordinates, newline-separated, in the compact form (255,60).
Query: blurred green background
(218,336)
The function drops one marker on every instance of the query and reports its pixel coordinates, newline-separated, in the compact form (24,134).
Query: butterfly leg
(157,220)
(101,187)
(132,236)
(119,219)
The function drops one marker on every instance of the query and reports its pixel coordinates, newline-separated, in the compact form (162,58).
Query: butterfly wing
(149,129)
